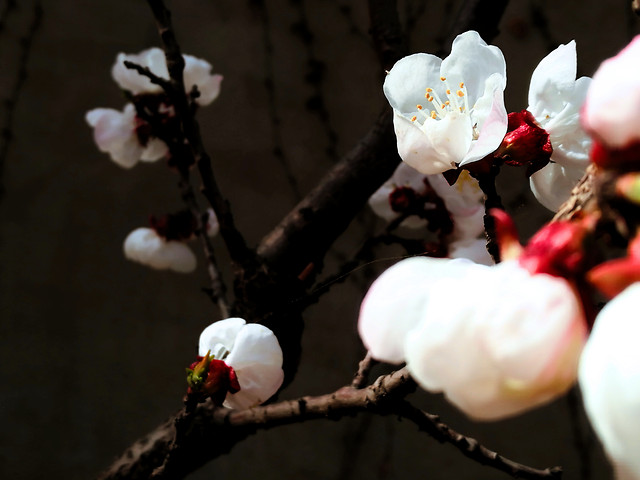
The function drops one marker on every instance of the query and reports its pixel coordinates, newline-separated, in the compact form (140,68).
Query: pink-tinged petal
(472,61)
(612,109)
(407,81)
(198,72)
(395,302)
(609,377)
(114,133)
(552,79)
(417,149)
(223,332)
(552,184)
(491,121)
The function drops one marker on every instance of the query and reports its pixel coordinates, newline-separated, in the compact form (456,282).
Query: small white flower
(213,226)
(450,111)
(612,108)
(555,99)
(145,246)
(253,352)
(609,378)
(196,72)
(115,133)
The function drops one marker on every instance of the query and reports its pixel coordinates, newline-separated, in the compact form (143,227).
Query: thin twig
(361,377)
(11,102)
(236,245)
(470,447)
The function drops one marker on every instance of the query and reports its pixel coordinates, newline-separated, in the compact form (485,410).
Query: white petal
(198,72)
(462,198)
(256,358)
(472,61)
(394,303)
(131,80)
(609,378)
(417,149)
(222,332)
(175,256)
(553,77)
(407,81)
(450,137)
(213,226)
(552,184)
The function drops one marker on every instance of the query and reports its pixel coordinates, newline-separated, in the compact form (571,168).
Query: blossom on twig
(448,112)
(146,246)
(123,136)
(197,73)
(254,356)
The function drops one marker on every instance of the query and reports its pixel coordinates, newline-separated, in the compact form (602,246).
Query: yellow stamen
(429,90)
(433,114)
(448,92)
(460,93)
(419,107)
(443,78)
(461,84)
(414,118)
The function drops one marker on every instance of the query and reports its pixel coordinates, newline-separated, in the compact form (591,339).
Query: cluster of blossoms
(140,133)
(127,136)
(464,120)
(499,340)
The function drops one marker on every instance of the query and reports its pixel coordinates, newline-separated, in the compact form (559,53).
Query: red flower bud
(525,144)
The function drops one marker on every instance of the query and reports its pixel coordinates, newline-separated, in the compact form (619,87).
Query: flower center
(456,102)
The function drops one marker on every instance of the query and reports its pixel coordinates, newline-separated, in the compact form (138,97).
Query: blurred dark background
(93,347)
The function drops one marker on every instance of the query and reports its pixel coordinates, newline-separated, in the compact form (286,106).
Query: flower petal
(472,61)
(114,133)
(417,149)
(552,78)
(145,246)
(222,332)
(395,301)
(552,184)
(407,81)
(131,80)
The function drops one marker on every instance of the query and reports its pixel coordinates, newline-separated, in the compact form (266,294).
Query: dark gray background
(93,347)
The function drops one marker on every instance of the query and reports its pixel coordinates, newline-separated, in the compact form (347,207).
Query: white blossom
(253,352)
(555,99)
(145,246)
(451,111)
(609,378)
(115,133)
(196,72)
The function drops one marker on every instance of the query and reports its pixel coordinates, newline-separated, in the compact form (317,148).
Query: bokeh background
(93,347)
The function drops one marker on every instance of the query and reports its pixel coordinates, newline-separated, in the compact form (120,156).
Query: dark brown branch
(582,197)
(469,446)
(236,245)
(214,431)
(390,41)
